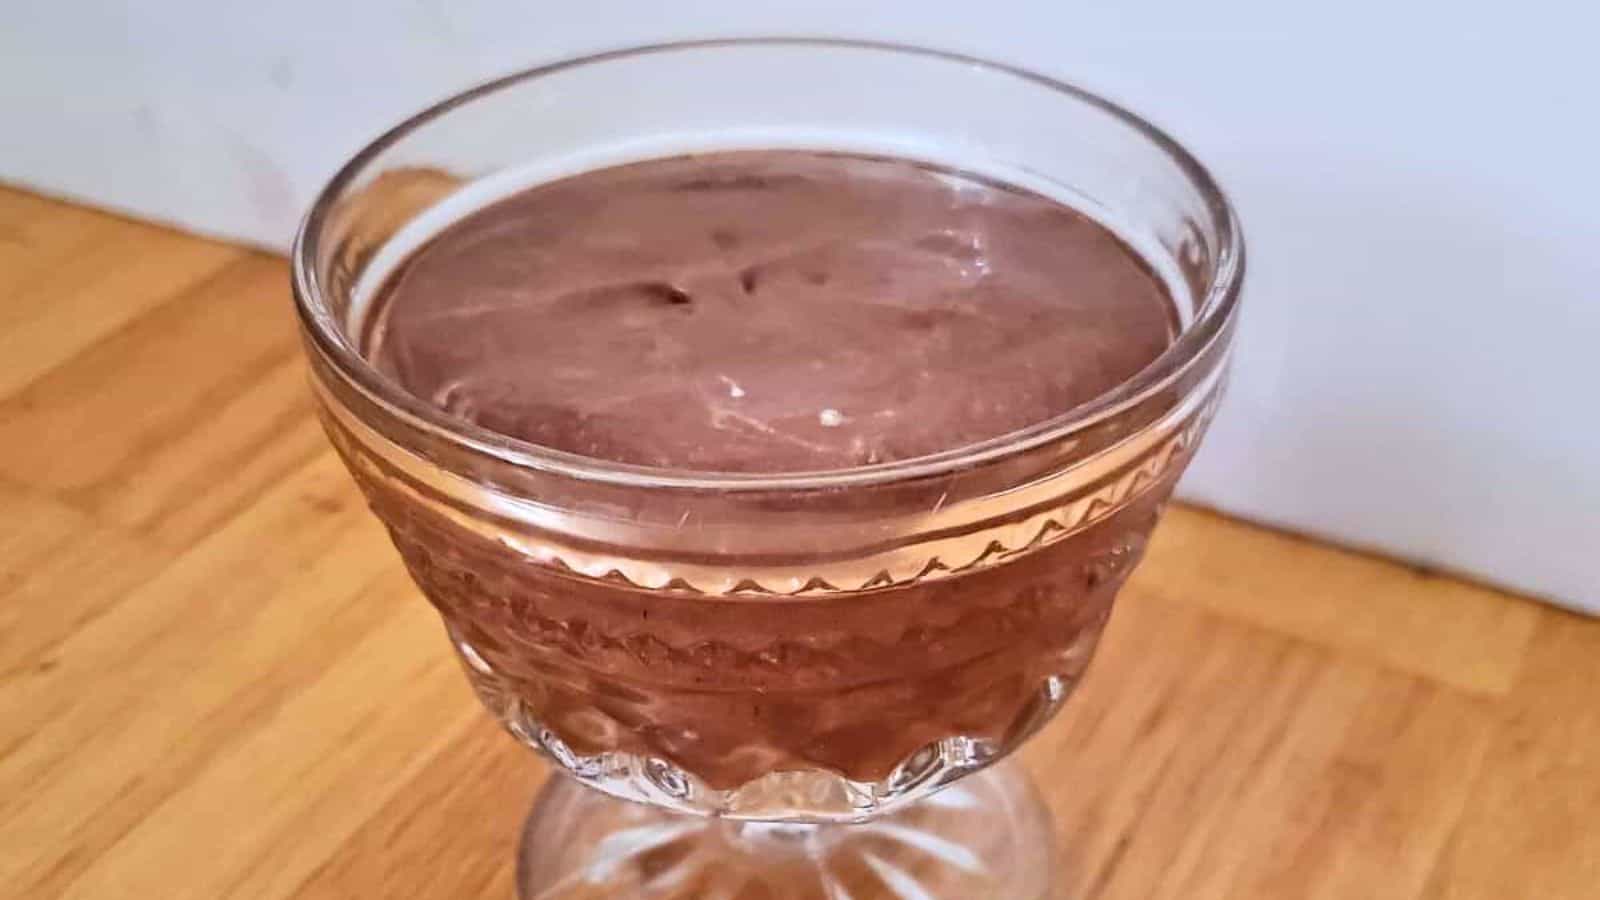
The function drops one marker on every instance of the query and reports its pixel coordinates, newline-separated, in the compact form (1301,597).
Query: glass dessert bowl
(795,650)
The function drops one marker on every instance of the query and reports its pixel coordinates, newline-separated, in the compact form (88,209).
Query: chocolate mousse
(769,312)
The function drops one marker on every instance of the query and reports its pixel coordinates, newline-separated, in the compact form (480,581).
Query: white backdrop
(1418,182)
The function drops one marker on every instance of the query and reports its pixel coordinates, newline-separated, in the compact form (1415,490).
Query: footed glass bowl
(785,670)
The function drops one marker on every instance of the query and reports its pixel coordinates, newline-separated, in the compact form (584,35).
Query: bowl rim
(1210,324)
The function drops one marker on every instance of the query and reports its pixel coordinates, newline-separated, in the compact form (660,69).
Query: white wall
(1418,183)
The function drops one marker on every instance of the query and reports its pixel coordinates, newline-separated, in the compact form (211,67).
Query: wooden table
(216,681)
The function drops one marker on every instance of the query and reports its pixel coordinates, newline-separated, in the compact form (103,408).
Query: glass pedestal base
(986,836)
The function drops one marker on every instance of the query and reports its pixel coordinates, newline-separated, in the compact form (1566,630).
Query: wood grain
(216,681)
